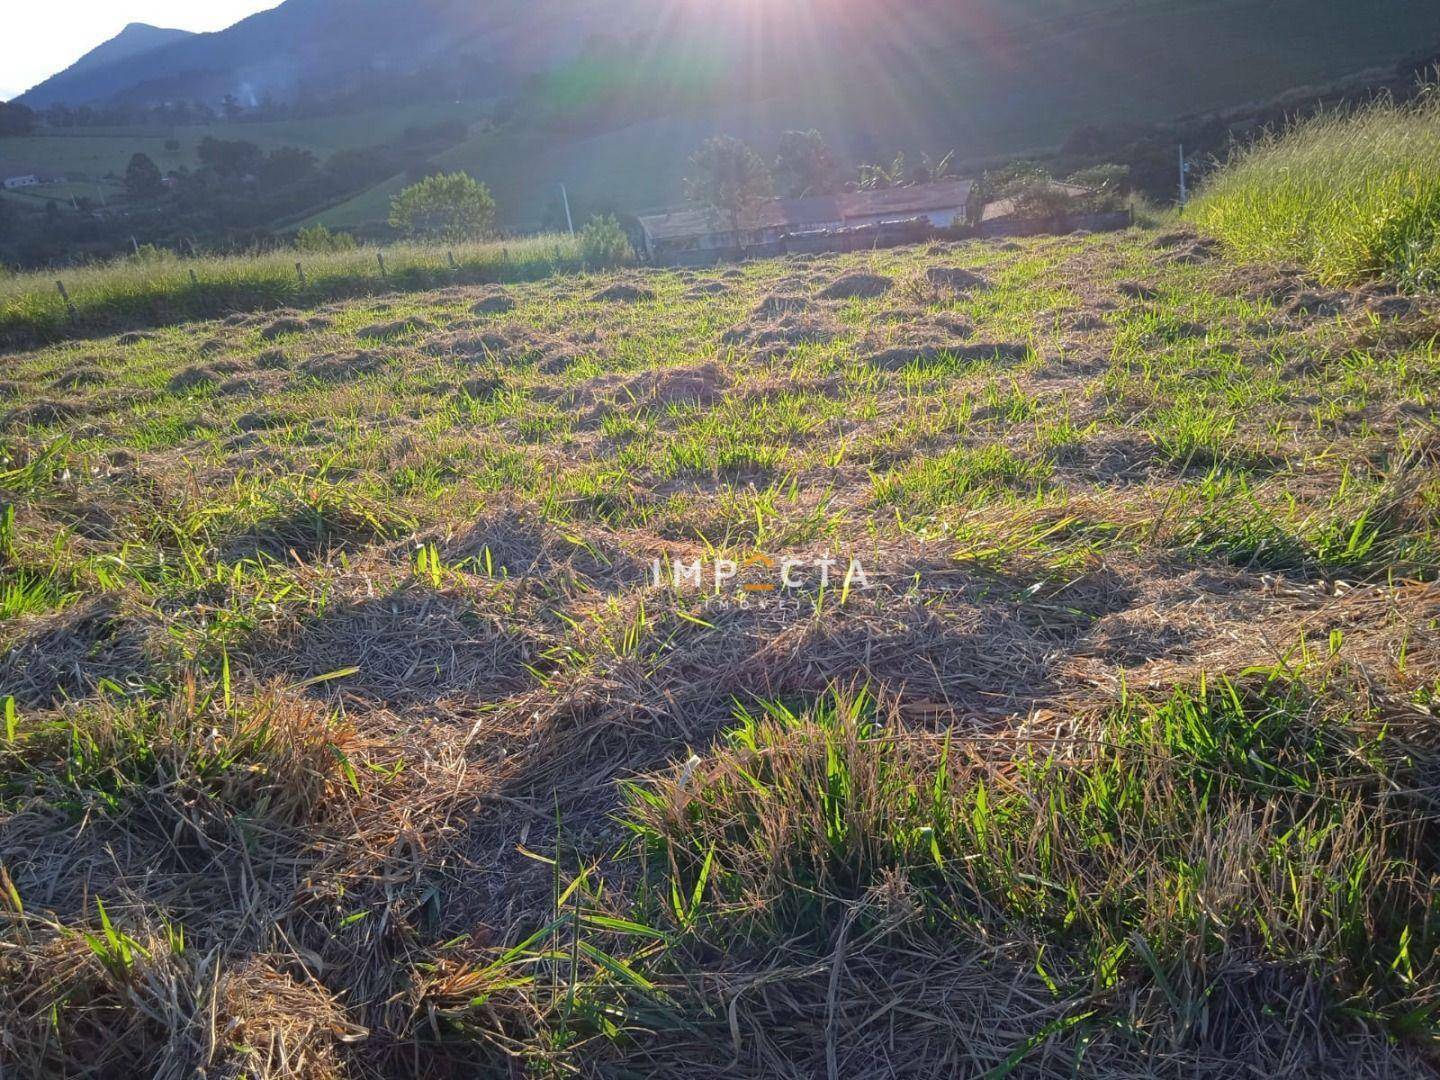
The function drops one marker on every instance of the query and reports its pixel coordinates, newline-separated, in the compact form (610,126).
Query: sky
(41,38)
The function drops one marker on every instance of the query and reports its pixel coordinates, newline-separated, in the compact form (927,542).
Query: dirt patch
(63,655)
(335,368)
(955,279)
(517,544)
(413,646)
(1134,290)
(45,412)
(291,324)
(702,290)
(1084,322)
(1323,305)
(397,328)
(481,388)
(558,361)
(1394,307)
(261,420)
(79,378)
(1193,254)
(781,304)
(776,336)
(703,384)
(504,345)
(623,292)
(857,286)
(192,378)
(248,384)
(497,302)
(895,357)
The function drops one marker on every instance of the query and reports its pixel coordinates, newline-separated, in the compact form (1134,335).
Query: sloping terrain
(132,41)
(1097,732)
(617,125)
(611,98)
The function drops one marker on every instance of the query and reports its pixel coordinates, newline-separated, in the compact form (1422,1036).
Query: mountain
(611,97)
(322,46)
(988,79)
(132,42)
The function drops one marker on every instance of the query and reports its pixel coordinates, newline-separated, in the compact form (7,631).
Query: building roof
(775,214)
(813,212)
(916,199)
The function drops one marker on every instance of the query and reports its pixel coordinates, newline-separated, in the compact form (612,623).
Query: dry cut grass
(345,732)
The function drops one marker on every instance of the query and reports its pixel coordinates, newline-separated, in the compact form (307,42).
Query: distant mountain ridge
(318,44)
(137,38)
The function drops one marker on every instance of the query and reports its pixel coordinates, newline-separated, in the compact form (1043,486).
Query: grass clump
(1349,195)
(1162,856)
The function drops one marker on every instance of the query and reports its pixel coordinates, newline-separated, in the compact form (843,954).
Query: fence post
(453,264)
(64,295)
(380,258)
(300,273)
(194,278)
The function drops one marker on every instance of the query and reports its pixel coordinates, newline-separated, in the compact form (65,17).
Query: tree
(1017,180)
(604,243)
(729,177)
(360,168)
(230,158)
(287,165)
(878,177)
(930,170)
(318,238)
(1108,186)
(142,178)
(16,119)
(804,165)
(447,207)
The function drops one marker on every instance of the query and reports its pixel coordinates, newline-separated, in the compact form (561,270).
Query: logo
(759,574)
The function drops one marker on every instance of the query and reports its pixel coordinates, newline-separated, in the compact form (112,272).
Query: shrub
(1349,195)
(604,243)
(449,207)
(1108,186)
(319,238)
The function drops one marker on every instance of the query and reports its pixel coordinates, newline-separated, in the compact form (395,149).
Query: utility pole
(565,197)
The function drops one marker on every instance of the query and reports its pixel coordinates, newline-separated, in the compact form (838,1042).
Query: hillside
(347,731)
(958,83)
(325,46)
(134,40)
(611,98)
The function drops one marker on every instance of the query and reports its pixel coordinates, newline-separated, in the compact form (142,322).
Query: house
(850,219)
(694,237)
(28,180)
(941,203)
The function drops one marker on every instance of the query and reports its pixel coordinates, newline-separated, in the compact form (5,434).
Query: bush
(1108,185)
(319,238)
(449,207)
(1349,195)
(604,243)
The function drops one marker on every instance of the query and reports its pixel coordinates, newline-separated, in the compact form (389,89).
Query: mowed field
(92,153)
(346,731)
